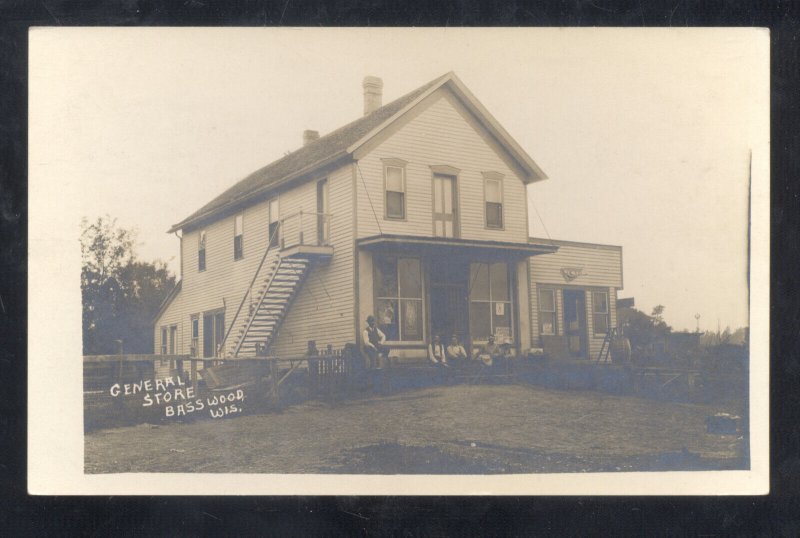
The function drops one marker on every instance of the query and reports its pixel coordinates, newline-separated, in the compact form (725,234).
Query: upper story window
(600,312)
(445,201)
(493,198)
(201,251)
(394,172)
(238,247)
(274,223)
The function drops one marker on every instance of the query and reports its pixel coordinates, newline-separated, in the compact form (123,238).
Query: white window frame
(554,311)
(398,164)
(202,239)
(498,178)
(238,233)
(274,217)
(194,323)
(595,313)
(173,336)
(399,298)
(509,303)
(164,336)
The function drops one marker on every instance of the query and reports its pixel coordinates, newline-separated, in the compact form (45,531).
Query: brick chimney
(373,93)
(309,136)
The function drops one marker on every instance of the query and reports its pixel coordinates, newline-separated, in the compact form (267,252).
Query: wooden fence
(329,372)
(333,373)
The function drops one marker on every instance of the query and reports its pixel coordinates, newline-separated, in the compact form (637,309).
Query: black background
(775,515)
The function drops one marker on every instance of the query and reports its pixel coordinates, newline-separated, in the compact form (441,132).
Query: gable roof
(342,142)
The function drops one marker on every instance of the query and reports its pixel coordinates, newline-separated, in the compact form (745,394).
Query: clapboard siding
(225,281)
(601,264)
(323,308)
(602,271)
(171,316)
(594,341)
(440,134)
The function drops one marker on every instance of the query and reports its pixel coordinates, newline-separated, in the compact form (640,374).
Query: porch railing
(305,228)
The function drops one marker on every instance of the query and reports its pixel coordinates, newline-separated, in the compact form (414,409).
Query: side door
(575,322)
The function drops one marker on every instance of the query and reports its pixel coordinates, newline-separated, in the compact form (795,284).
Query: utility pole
(697,318)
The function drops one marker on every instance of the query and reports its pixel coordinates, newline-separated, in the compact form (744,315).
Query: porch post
(523,305)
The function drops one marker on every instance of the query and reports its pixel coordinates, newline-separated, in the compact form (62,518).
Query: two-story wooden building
(416,212)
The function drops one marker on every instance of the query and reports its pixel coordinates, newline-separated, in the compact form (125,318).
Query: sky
(645,135)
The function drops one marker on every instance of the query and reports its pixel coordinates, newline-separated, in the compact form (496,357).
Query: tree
(642,330)
(120,294)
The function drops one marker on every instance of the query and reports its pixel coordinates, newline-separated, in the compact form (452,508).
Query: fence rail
(330,372)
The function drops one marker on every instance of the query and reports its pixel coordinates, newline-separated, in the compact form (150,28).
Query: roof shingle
(316,153)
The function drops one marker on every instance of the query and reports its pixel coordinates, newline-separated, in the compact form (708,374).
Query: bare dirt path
(458,429)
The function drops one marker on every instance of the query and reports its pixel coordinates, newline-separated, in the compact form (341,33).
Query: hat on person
(370,319)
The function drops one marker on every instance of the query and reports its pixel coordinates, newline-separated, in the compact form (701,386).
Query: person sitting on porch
(373,339)
(455,351)
(489,352)
(436,352)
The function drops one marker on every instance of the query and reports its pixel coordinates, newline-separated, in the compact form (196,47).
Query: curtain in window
(398,303)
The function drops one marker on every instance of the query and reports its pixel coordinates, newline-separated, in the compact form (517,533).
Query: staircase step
(284,277)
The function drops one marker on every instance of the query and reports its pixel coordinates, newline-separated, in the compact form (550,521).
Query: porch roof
(451,245)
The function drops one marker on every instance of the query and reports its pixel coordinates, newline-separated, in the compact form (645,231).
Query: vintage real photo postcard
(398,261)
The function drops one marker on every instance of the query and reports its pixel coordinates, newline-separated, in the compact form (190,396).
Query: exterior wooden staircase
(270,306)
(286,261)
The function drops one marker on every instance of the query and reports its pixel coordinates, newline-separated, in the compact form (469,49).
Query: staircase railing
(257,308)
(249,291)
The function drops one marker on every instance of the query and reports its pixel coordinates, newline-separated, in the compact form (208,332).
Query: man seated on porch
(436,352)
(373,339)
(488,353)
(455,351)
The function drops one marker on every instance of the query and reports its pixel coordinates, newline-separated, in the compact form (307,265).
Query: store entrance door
(575,322)
(449,306)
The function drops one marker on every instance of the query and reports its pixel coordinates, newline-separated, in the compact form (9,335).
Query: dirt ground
(451,429)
